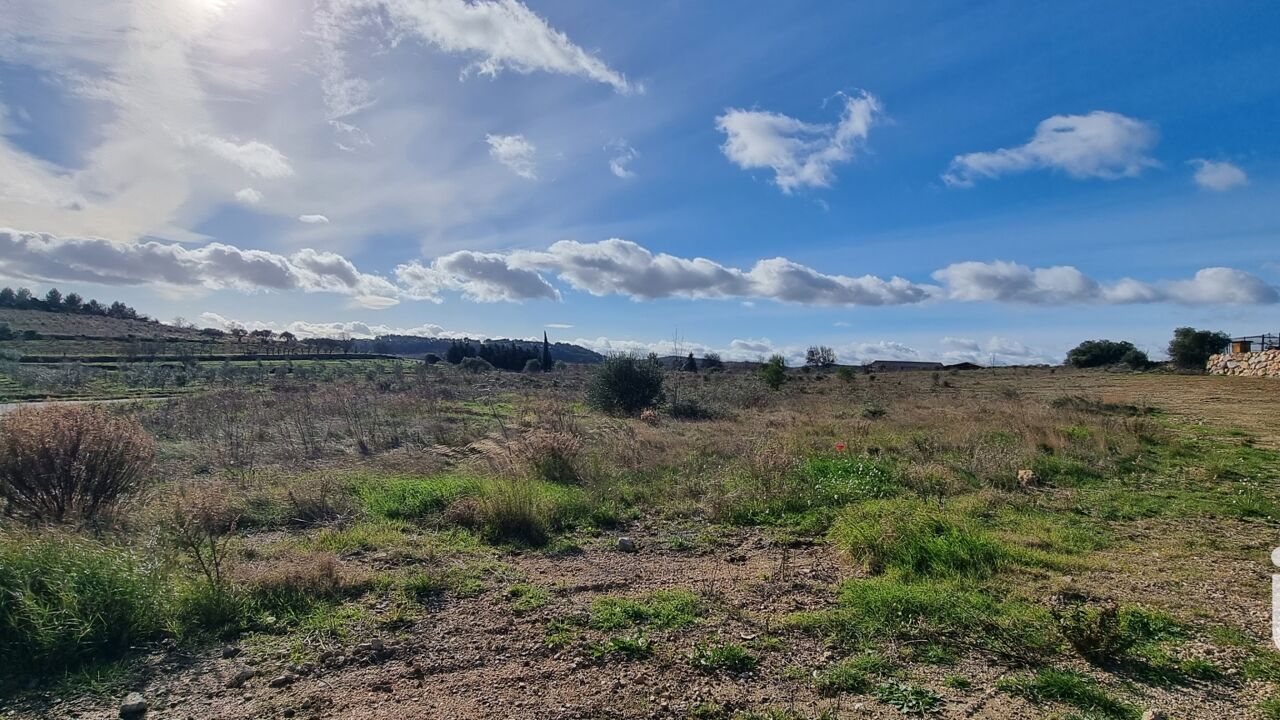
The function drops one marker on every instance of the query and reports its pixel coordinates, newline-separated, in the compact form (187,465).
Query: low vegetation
(909,544)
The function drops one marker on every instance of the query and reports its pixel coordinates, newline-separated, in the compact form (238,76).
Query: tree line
(55,301)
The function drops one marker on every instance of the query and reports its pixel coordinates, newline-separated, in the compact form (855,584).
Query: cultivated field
(422,542)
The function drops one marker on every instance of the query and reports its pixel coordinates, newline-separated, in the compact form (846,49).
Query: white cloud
(482,277)
(1101,144)
(622,267)
(248,196)
(558,326)
(314,219)
(40,256)
(256,158)
(800,154)
(620,162)
(1218,176)
(1002,281)
(515,152)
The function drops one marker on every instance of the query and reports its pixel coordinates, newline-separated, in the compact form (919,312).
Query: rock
(284,680)
(1028,479)
(626,544)
(240,678)
(134,706)
(1154,714)
(229,652)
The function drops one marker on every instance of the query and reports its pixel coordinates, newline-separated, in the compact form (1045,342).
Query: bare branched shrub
(228,425)
(200,522)
(366,418)
(64,463)
(299,423)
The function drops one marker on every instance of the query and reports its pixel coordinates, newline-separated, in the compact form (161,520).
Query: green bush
(1097,353)
(66,600)
(774,372)
(625,384)
(1190,348)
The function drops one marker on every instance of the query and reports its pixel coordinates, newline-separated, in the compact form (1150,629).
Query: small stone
(626,544)
(229,652)
(284,680)
(287,712)
(240,678)
(134,705)
(1154,714)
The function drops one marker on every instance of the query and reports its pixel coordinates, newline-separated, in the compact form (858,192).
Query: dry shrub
(465,512)
(549,449)
(65,463)
(312,576)
(316,502)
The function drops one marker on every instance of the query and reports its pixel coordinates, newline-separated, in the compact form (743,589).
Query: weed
(908,699)
(957,682)
(723,657)
(632,647)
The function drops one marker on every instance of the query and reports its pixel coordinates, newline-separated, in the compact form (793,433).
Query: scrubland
(419,541)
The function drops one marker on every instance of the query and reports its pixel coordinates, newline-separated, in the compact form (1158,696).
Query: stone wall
(1253,364)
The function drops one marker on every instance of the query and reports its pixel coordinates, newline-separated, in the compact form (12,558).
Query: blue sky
(937,180)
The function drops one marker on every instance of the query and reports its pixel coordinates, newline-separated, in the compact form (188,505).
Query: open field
(428,543)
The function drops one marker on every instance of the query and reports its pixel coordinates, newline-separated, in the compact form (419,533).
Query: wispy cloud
(1101,144)
(622,156)
(314,219)
(515,152)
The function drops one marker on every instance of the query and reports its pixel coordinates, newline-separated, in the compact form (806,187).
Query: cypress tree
(546,353)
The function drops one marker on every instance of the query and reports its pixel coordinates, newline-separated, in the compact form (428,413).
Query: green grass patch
(854,675)
(527,598)
(950,612)
(917,539)
(66,600)
(663,609)
(1069,688)
(412,498)
(363,536)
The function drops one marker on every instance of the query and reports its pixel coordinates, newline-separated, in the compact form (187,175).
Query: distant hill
(416,346)
(69,325)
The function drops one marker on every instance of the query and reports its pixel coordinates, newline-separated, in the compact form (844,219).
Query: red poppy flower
(840,447)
